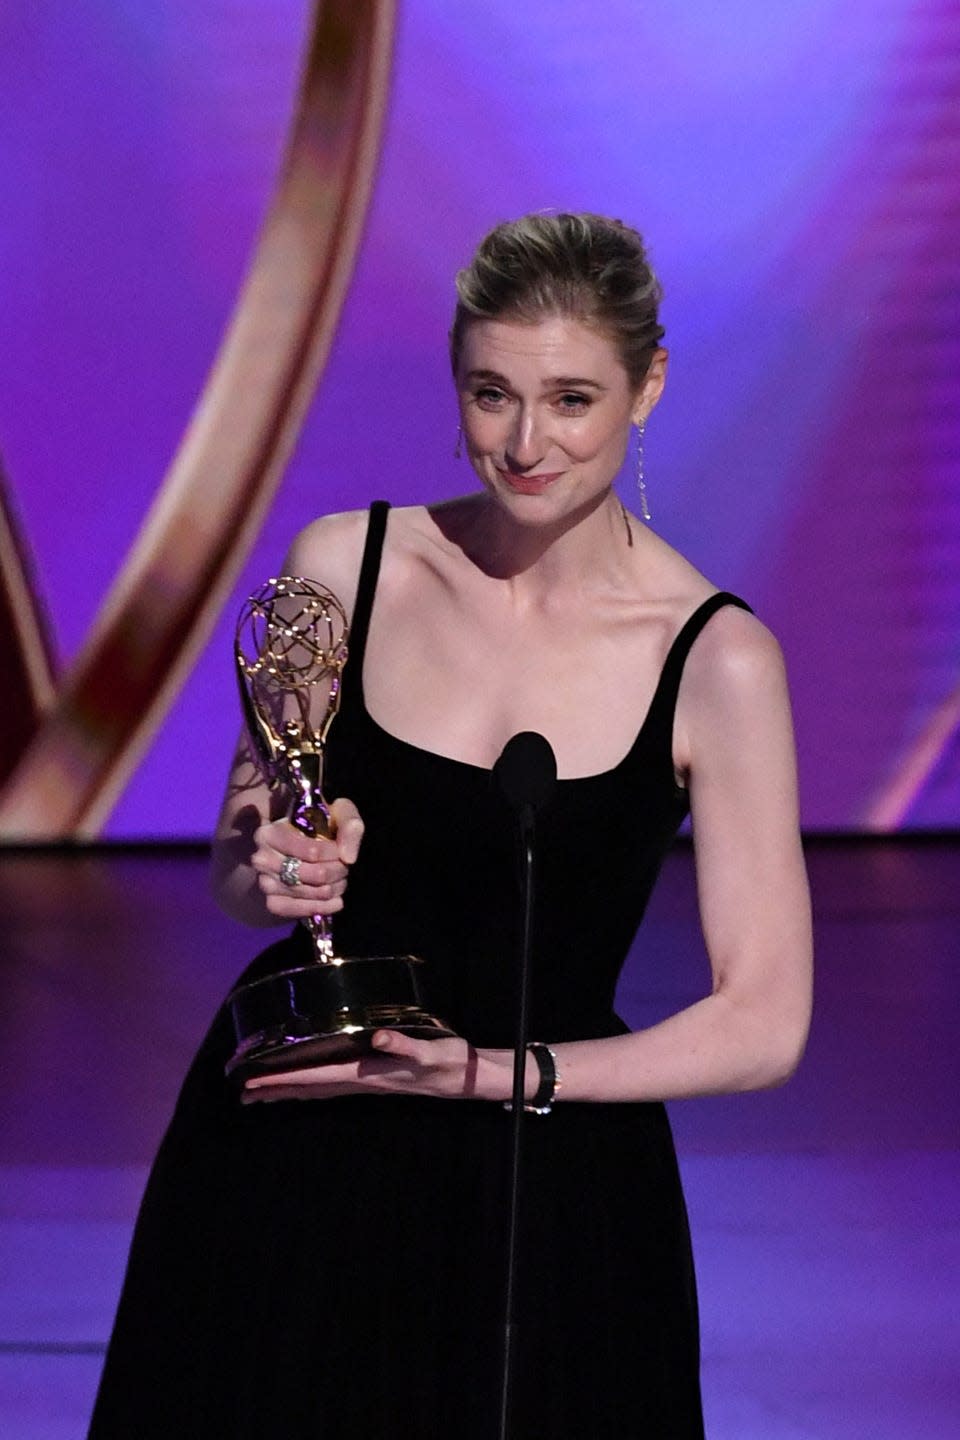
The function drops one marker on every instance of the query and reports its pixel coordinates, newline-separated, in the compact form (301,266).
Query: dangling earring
(459,447)
(641,483)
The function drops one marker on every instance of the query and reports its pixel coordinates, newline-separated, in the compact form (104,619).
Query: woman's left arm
(734,734)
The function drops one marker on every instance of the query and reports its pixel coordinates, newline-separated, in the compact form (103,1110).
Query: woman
(334,1268)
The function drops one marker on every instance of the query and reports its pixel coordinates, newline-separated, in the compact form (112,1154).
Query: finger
(320,880)
(316,1075)
(349,829)
(297,1092)
(280,838)
(400,1046)
(288,907)
(312,1083)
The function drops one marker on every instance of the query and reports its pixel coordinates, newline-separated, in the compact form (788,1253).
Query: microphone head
(526,772)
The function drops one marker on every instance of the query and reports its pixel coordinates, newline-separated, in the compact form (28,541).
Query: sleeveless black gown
(331,1270)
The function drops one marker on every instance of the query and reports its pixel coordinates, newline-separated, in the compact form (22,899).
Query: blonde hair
(585,266)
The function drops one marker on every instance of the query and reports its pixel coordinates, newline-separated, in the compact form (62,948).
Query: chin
(529,509)
(552,506)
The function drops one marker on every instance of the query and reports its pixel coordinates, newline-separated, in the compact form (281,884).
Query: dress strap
(659,722)
(366,590)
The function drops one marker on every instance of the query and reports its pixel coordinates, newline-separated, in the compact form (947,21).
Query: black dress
(331,1270)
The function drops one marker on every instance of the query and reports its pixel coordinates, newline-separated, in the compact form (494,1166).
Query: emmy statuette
(291,647)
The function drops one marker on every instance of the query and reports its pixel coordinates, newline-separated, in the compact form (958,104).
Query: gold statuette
(291,647)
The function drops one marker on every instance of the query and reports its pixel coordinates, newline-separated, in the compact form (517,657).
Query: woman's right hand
(323,864)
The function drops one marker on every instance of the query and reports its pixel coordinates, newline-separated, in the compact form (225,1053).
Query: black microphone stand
(527,833)
(527,773)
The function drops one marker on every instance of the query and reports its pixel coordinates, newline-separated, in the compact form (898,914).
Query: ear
(651,387)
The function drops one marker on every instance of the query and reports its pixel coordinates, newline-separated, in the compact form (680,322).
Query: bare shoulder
(735,654)
(732,654)
(733,708)
(733,698)
(330,550)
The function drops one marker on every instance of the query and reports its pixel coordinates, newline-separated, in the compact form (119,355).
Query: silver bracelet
(548,1085)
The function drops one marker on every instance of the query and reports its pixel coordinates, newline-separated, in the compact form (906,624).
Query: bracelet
(549,1083)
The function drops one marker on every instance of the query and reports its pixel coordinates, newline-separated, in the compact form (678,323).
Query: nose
(525,444)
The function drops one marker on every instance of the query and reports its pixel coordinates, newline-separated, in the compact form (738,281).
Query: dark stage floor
(826,1215)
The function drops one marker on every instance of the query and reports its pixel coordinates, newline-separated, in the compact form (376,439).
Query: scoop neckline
(360,698)
(435,755)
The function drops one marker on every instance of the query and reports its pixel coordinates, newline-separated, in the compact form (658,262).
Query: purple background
(795,170)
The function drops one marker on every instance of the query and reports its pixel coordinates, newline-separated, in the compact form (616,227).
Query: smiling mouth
(531,483)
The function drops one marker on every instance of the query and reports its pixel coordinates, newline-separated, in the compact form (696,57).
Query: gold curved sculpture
(27,667)
(208,511)
(890,806)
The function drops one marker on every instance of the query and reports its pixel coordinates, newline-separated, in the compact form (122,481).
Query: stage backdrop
(794,168)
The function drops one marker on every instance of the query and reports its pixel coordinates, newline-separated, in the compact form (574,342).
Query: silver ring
(290,871)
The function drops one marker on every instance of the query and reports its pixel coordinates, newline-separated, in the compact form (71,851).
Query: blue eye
(489,397)
(571,400)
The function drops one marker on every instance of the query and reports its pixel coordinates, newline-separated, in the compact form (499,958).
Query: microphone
(526,773)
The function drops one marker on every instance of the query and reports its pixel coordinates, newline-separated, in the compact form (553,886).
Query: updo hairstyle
(587,267)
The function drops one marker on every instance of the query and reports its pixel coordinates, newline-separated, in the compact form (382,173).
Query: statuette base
(322,1013)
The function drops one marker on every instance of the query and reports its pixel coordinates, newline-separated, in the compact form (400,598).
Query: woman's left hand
(398,1065)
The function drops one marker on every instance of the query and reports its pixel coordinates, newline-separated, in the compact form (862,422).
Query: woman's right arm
(252,838)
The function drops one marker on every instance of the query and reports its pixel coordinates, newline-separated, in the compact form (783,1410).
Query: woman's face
(546,409)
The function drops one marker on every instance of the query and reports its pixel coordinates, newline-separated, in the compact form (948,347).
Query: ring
(290,871)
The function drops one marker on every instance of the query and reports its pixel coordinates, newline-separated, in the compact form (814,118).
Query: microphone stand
(527,831)
(526,773)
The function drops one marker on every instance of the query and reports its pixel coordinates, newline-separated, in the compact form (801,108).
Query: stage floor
(825,1215)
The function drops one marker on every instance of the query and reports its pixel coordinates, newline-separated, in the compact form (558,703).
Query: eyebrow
(556,382)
